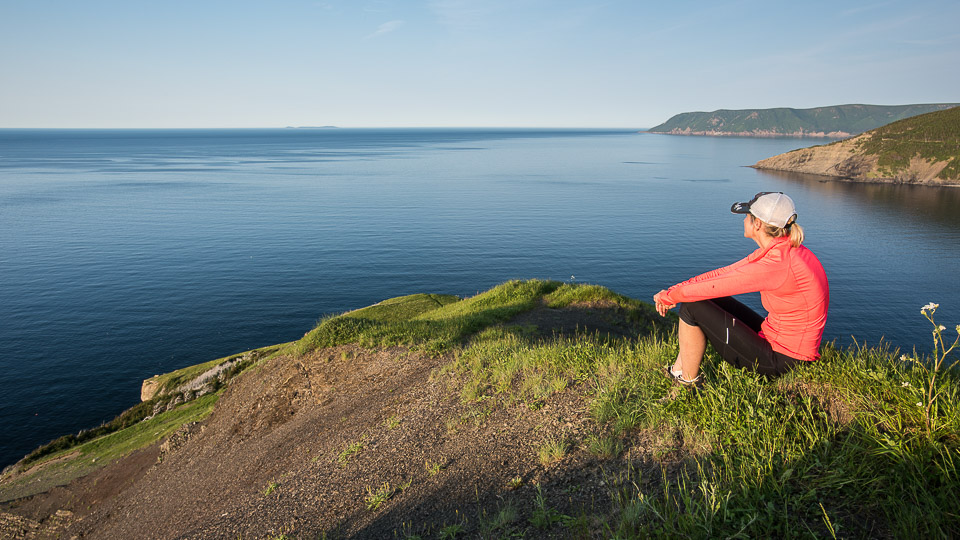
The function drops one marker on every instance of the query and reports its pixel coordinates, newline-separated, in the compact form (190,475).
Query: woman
(793,289)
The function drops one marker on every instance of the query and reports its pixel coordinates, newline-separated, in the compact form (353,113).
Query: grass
(552,451)
(351,450)
(377,496)
(606,446)
(504,517)
(166,383)
(403,308)
(70,463)
(838,448)
(126,419)
(544,516)
(933,136)
(170,381)
(450,531)
(122,442)
(433,468)
(435,328)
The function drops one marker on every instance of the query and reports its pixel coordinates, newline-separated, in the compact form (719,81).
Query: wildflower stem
(940,352)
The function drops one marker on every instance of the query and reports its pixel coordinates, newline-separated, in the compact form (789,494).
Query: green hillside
(840,120)
(536,409)
(934,137)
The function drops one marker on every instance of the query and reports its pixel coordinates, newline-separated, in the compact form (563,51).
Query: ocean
(128,253)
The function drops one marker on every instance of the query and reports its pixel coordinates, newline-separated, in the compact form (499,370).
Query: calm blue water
(129,253)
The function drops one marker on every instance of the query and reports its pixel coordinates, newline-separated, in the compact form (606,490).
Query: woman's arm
(743,276)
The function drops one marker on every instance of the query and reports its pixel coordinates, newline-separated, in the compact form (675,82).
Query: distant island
(838,121)
(923,149)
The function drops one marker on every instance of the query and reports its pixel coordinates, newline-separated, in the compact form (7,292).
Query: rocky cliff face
(845,161)
(757,133)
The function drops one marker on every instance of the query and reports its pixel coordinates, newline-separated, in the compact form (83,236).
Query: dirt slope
(271,461)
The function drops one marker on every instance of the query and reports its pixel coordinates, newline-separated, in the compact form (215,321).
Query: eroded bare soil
(296,447)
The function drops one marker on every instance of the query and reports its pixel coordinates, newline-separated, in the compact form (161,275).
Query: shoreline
(855,180)
(759,135)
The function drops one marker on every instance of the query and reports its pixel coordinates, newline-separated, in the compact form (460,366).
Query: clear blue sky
(617,63)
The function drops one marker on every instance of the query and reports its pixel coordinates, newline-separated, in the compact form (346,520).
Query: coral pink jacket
(793,288)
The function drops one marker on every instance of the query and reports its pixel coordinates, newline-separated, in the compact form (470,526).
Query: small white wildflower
(919,404)
(904,358)
(905,384)
(929,307)
(942,328)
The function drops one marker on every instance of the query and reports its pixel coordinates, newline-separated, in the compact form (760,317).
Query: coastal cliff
(821,122)
(534,409)
(920,150)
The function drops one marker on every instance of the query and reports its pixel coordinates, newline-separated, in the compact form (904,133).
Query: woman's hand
(662,307)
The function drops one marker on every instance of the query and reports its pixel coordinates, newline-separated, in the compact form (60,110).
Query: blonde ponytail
(796,235)
(794,231)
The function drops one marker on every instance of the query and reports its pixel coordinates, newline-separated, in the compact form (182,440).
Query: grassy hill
(835,121)
(534,409)
(933,137)
(923,149)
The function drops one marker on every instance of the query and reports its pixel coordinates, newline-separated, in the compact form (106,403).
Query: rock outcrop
(920,150)
(843,160)
(201,384)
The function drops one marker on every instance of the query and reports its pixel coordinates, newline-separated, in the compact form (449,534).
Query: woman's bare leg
(693,343)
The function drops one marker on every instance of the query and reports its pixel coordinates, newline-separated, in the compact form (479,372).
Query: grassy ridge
(835,449)
(434,327)
(851,119)
(838,448)
(934,137)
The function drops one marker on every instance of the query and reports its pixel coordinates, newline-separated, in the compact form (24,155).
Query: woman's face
(749,230)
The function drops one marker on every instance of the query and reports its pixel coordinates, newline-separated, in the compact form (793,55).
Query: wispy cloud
(385,28)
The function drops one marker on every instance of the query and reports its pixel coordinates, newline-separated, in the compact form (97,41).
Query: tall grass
(836,448)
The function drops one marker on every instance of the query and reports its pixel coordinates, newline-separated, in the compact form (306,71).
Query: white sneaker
(677,376)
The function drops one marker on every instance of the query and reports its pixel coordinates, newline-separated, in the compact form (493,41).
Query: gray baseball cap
(772,207)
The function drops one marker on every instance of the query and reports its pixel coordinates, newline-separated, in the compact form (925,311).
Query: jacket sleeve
(744,276)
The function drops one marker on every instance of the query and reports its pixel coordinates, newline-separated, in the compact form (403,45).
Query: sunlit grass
(858,444)
(81,459)
(433,327)
(836,447)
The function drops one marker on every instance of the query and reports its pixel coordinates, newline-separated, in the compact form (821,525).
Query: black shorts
(732,328)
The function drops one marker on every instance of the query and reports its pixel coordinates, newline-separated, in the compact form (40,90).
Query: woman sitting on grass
(793,289)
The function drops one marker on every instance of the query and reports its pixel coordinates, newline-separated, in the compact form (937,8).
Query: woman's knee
(692,312)
(685,314)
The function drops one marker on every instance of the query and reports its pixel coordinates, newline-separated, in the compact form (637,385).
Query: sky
(471,63)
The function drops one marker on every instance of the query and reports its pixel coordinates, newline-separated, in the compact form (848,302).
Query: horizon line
(316,128)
